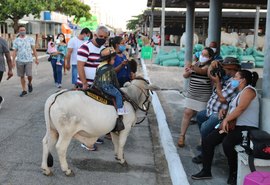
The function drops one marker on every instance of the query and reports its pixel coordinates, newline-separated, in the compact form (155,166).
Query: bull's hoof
(69,173)
(47,172)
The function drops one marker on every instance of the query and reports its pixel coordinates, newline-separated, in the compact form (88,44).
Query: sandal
(181,141)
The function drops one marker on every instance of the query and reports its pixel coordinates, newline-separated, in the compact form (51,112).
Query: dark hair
(250,77)
(21,26)
(62,35)
(86,31)
(116,40)
(133,65)
(111,41)
(210,52)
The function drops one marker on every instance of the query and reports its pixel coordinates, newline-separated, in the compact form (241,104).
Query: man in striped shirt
(87,57)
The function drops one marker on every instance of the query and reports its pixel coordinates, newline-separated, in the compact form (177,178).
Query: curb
(176,170)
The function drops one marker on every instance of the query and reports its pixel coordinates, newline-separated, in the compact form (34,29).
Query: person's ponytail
(255,78)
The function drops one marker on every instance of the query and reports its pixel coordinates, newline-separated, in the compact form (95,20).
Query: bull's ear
(152,87)
(126,84)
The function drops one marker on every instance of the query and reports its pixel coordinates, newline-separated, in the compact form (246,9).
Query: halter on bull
(72,114)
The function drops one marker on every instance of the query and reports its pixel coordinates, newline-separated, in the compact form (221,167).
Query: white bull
(260,41)
(183,39)
(229,38)
(72,114)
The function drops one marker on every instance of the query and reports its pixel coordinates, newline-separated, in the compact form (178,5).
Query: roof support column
(190,22)
(152,19)
(265,102)
(214,25)
(162,35)
(151,24)
(256,27)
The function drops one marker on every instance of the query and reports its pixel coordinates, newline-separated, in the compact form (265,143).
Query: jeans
(57,71)
(74,74)
(113,91)
(206,124)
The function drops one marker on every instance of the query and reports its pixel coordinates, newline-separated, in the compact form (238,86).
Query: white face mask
(61,38)
(214,49)
(203,59)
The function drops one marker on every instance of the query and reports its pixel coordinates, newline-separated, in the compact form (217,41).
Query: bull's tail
(51,136)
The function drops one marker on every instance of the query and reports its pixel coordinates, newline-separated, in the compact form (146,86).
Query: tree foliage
(132,23)
(70,8)
(17,9)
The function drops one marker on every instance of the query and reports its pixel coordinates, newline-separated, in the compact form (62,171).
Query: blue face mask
(235,83)
(86,38)
(122,48)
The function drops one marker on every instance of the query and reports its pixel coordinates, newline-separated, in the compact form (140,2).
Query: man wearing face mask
(73,45)
(224,92)
(214,47)
(87,57)
(23,47)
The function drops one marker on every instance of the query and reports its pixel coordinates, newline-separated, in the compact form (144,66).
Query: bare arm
(70,50)
(188,71)
(199,70)
(9,63)
(14,54)
(119,67)
(35,54)
(244,100)
(81,73)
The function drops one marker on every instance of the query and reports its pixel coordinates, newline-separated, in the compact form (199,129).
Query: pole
(214,26)
(163,24)
(265,102)
(256,27)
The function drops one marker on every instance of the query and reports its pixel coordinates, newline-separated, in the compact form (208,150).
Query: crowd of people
(220,94)
(224,99)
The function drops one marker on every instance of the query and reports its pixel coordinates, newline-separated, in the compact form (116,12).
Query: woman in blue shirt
(121,65)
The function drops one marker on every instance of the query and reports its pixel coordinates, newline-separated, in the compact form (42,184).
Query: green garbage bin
(147,52)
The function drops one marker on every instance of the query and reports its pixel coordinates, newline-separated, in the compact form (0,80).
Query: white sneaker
(1,101)
(122,111)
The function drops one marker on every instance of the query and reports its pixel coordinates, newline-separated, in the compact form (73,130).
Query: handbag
(257,147)
(50,58)
(261,143)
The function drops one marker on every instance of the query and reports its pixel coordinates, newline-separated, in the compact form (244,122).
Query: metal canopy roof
(240,20)
(234,4)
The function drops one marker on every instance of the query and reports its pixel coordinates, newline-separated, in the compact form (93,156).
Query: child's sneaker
(122,111)
(58,63)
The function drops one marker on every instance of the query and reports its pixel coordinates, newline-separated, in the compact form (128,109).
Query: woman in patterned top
(199,91)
